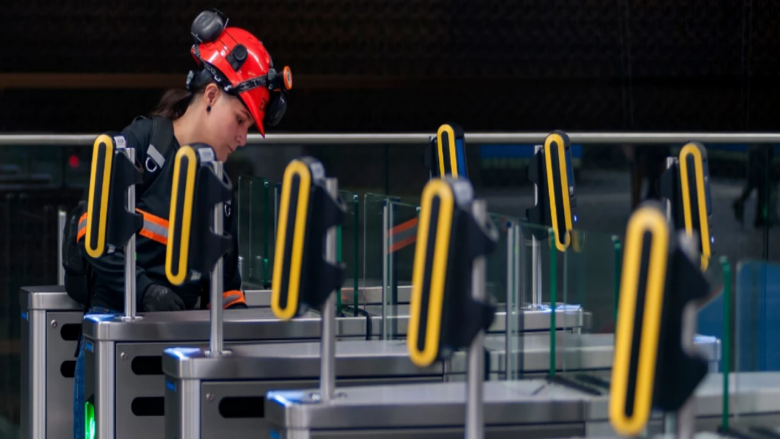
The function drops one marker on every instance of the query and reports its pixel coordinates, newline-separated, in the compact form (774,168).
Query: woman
(234,88)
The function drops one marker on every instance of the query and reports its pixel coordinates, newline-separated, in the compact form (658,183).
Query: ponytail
(173,104)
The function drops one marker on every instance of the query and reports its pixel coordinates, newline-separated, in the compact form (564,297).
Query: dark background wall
(405,65)
(69,66)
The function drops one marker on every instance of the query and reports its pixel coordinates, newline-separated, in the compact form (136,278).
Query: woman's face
(225,126)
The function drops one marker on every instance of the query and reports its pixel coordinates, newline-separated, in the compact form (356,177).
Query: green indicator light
(89,417)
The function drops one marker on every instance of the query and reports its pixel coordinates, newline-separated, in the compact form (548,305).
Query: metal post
(536,274)
(328,345)
(130,252)
(385,268)
(669,163)
(510,290)
(685,420)
(519,266)
(476,371)
(215,342)
(61,219)
(390,329)
(536,257)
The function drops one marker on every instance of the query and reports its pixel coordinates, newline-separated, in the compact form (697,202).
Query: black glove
(159,298)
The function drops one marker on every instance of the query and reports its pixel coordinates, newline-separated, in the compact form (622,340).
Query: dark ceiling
(409,65)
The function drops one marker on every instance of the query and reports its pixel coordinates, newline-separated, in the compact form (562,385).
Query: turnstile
(133,351)
(50,328)
(209,397)
(51,323)
(515,409)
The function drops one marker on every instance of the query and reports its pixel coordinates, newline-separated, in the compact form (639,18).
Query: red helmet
(239,63)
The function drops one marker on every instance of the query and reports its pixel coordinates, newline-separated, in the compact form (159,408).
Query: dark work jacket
(108,279)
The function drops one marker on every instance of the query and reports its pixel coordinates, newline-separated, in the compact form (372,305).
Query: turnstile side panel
(215,425)
(27,363)
(147,390)
(143,389)
(103,386)
(182,403)
(60,359)
(515,432)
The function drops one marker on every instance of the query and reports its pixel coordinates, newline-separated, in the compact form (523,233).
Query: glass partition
(373,261)
(256,230)
(756,347)
(347,252)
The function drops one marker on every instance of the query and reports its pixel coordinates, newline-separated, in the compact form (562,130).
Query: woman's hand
(160,298)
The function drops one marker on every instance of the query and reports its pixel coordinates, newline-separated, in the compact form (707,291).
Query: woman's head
(211,116)
(235,87)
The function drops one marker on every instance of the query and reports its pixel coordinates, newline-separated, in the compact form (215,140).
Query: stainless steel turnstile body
(50,326)
(200,388)
(224,397)
(513,409)
(123,368)
(51,323)
(123,359)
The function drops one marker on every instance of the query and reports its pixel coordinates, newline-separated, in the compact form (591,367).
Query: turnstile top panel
(354,358)
(525,320)
(575,352)
(49,297)
(256,324)
(531,351)
(506,403)
(257,298)
(421,405)
(751,393)
(239,324)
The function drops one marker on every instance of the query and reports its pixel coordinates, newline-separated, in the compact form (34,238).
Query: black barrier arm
(309,213)
(446,153)
(196,240)
(112,221)
(655,364)
(686,187)
(551,172)
(449,310)
(302,279)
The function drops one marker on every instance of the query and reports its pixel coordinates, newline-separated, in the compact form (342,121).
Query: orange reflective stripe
(82,227)
(155,228)
(153,236)
(153,219)
(230,298)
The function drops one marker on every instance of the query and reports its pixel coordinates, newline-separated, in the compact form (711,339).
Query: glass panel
(347,252)
(373,258)
(500,280)
(757,334)
(244,239)
(401,237)
(256,231)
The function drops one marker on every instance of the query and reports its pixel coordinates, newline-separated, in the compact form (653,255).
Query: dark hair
(174,102)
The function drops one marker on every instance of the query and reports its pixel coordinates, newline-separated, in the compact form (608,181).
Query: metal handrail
(422,138)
